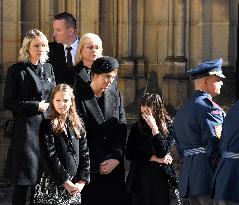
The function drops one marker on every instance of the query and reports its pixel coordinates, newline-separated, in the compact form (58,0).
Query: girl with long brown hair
(147,148)
(64,148)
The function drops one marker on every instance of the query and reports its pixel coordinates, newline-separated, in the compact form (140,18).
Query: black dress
(149,185)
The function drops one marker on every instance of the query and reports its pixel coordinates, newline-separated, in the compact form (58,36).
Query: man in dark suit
(63,50)
(198,126)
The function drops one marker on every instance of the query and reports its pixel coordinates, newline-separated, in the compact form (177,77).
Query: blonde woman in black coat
(27,90)
(103,114)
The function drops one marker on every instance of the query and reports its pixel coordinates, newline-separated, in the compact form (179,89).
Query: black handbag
(8,128)
(48,192)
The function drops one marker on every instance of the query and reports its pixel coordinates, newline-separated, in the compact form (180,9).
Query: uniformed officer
(198,126)
(226,179)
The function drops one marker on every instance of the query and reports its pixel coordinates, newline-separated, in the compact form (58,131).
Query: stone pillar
(89,16)
(29,19)
(45,18)
(139,29)
(170,52)
(124,35)
(179,34)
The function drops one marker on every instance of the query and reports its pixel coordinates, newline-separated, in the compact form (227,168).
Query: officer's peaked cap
(208,68)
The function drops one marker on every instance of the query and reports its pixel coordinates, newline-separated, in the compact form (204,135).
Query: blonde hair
(86,38)
(72,117)
(30,35)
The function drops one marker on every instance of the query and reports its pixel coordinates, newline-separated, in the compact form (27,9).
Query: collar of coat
(92,104)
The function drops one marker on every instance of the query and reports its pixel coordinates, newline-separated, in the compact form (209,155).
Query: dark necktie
(69,57)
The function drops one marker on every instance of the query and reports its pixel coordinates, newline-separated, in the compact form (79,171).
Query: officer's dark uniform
(197,131)
(226,180)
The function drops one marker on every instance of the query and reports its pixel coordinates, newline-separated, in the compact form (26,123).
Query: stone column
(139,29)
(89,16)
(179,37)
(29,19)
(170,28)
(124,35)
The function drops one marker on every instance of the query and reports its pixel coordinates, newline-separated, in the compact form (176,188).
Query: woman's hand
(150,120)
(80,185)
(165,160)
(108,165)
(71,188)
(43,106)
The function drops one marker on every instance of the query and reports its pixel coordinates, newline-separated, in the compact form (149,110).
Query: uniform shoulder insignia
(218,131)
(216,112)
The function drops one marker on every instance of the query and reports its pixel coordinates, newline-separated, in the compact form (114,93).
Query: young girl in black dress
(64,149)
(147,148)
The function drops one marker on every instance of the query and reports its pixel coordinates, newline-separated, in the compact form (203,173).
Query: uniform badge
(218,131)
(216,112)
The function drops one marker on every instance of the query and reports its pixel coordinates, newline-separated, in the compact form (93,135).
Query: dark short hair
(69,18)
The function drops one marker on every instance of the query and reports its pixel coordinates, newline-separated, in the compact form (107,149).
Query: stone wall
(156,41)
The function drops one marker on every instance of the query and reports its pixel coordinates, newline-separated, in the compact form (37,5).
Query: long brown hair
(156,103)
(72,117)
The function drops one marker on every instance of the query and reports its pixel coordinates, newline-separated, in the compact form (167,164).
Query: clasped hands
(72,188)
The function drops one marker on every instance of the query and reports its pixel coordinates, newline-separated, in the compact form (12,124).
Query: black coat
(148,179)
(63,155)
(57,58)
(24,89)
(106,135)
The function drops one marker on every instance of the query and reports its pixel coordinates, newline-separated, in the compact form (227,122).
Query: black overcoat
(24,89)
(57,58)
(106,135)
(64,156)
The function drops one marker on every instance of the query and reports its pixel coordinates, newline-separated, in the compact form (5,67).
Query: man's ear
(72,30)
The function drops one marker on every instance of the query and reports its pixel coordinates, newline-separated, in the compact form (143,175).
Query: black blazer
(58,60)
(24,89)
(106,131)
(63,155)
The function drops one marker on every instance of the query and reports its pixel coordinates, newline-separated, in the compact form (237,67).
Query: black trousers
(20,194)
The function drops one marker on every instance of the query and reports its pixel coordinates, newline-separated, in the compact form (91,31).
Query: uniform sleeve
(211,125)
(11,99)
(49,155)
(83,172)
